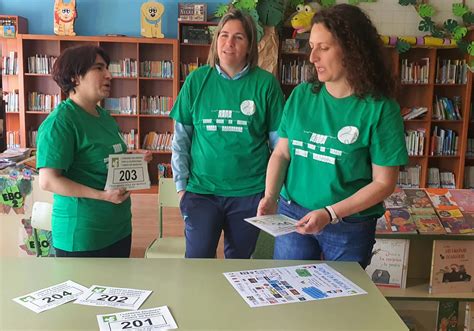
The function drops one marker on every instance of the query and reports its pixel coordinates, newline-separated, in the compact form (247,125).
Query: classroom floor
(145,223)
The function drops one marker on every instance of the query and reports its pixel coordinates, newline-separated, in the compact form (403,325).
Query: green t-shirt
(231,120)
(333,144)
(78,143)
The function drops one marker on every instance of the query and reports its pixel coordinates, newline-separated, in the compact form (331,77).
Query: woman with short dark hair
(74,143)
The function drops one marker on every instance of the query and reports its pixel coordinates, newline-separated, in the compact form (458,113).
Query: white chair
(166,247)
(40,220)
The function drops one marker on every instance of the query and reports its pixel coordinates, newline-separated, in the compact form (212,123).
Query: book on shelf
(469,177)
(195,12)
(469,317)
(414,112)
(447,316)
(388,266)
(452,266)
(409,177)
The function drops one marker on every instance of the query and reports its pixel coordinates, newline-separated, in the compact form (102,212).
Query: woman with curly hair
(341,144)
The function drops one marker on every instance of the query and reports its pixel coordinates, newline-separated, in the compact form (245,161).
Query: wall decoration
(450,28)
(151,14)
(64,16)
(13,191)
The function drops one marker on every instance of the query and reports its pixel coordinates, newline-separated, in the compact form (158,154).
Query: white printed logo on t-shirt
(247,107)
(348,135)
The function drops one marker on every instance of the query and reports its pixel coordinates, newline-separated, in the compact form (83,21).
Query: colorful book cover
(418,201)
(400,221)
(452,266)
(460,225)
(447,319)
(382,225)
(398,199)
(441,198)
(464,199)
(428,224)
(388,267)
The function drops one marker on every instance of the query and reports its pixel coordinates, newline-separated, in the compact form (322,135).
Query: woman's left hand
(147,155)
(313,222)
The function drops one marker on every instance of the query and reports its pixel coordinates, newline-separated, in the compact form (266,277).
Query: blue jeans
(206,216)
(352,239)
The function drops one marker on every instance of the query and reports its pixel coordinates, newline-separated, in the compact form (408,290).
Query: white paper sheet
(51,297)
(266,287)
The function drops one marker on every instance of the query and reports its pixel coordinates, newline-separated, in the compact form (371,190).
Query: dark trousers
(206,216)
(120,249)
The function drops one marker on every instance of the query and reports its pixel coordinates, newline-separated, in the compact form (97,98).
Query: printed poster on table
(274,286)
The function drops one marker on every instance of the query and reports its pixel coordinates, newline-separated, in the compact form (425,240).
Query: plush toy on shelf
(301,20)
(64,16)
(151,14)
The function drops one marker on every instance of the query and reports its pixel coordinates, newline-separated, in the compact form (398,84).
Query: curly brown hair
(368,72)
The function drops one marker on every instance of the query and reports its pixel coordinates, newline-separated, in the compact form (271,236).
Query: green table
(196,292)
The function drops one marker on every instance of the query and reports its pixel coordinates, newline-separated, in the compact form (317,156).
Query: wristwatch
(332,213)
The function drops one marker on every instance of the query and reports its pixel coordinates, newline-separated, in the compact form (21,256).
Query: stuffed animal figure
(301,20)
(64,16)
(419,41)
(151,14)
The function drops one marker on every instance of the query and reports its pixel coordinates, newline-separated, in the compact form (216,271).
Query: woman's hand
(116,196)
(181,194)
(267,206)
(147,155)
(313,222)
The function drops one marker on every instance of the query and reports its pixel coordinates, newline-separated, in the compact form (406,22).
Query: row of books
(428,211)
(444,142)
(447,109)
(124,68)
(469,177)
(157,141)
(441,179)
(12,102)
(451,71)
(157,69)
(409,177)
(32,137)
(415,72)
(470,147)
(43,102)
(41,64)
(10,64)
(130,139)
(295,72)
(187,68)
(165,170)
(156,105)
(415,141)
(123,105)
(413,112)
(452,265)
(13,139)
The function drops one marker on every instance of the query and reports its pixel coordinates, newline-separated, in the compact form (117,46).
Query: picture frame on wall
(193,12)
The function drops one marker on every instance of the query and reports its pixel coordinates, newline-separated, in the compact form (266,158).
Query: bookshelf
(192,53)
(159,83)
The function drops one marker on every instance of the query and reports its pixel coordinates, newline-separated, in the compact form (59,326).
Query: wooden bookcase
(190,52)
(118,48)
